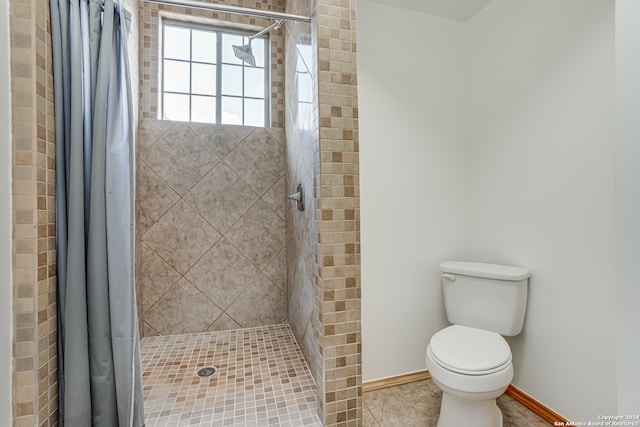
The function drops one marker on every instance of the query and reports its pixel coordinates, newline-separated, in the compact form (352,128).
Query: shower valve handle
(298,197)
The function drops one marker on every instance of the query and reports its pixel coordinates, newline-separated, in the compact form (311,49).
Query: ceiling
(461,10)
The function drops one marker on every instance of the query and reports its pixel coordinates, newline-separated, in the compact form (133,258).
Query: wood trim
(534,406)
(393,381)
(518,395)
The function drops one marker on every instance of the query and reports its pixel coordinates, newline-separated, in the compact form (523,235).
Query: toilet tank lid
(487,271)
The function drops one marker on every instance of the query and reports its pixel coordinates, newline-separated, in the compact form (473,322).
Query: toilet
(471,361)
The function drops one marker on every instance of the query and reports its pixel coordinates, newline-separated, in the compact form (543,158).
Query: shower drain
(207,372)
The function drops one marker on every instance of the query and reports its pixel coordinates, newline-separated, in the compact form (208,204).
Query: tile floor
(262,380)
(418,404)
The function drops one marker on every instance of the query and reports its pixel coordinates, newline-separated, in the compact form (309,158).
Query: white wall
(522,98)
(542,185)
(5,219)
(414,193)
(628,204)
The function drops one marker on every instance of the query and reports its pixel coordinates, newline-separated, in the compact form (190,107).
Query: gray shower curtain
(98,343)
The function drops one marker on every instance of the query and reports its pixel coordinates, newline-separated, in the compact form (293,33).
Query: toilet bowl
(472,367)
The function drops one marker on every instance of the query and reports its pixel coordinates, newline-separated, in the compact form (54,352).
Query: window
(203,81)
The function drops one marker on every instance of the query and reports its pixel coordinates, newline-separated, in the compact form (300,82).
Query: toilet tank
(485,296)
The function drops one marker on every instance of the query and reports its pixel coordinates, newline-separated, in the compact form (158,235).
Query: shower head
(245,53)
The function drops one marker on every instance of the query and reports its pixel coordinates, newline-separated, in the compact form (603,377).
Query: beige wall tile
(215,231)
(34,213)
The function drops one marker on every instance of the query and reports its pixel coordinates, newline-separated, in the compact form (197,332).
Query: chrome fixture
(298,197)
(207,371)
(245,53)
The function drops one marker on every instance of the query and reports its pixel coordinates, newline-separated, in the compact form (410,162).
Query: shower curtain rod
(232,9)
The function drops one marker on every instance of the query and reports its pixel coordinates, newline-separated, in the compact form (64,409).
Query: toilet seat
(470,351)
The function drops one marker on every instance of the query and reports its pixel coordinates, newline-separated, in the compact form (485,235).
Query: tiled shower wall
(34,272)
(237,277)
(212,253)
(301,120)
(35,382)
(339,212)
(322,152)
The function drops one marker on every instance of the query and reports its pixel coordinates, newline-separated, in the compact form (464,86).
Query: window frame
(219,30)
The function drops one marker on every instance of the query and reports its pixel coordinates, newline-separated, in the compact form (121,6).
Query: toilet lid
(470,351)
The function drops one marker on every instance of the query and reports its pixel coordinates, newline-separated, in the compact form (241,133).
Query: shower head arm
(271,27)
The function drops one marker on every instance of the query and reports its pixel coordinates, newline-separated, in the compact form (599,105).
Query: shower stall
(228,277)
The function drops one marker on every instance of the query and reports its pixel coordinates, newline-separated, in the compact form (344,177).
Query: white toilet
(471,361)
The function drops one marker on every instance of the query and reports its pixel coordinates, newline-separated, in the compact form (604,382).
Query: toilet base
(458,412)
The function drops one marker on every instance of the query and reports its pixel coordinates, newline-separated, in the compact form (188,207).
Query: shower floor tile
(261,380)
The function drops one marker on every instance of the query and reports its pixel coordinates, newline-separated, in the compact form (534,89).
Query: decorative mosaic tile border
(339,213)
(35,390)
